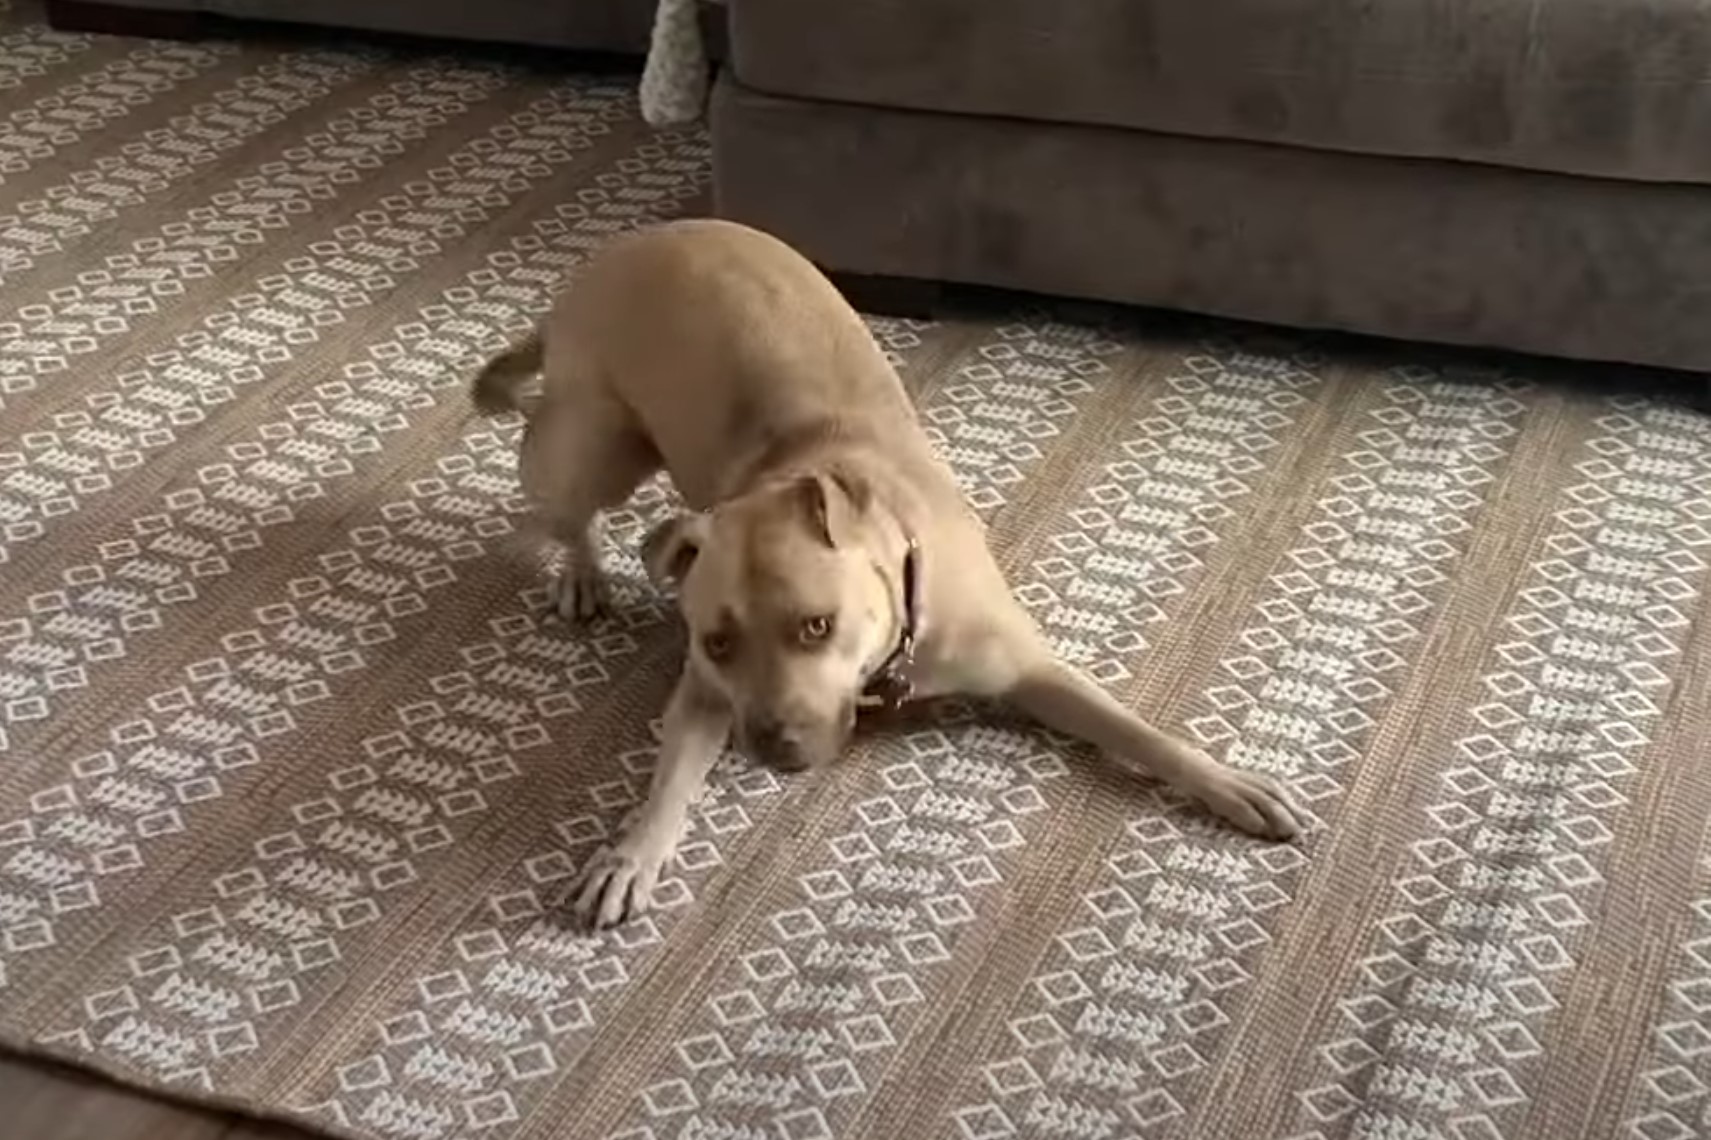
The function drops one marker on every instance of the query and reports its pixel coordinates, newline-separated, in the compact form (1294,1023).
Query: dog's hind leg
(579,590)
(582,455)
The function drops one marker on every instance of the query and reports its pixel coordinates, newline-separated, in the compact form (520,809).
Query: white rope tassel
(674,82)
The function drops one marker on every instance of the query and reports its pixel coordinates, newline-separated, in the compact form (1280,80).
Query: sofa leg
(121,20)
(907,297)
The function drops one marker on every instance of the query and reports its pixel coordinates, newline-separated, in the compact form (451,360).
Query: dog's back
(719,340)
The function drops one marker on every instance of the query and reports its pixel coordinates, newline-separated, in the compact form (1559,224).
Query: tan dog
(830,554)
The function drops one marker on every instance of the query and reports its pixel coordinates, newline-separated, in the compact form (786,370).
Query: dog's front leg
(1062,698)
(618,885)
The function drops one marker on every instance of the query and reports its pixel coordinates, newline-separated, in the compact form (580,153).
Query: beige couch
(1523,175)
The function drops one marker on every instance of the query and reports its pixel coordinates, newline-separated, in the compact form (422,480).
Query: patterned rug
(294,763)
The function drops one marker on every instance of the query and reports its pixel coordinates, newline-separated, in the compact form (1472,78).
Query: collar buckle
(889,686)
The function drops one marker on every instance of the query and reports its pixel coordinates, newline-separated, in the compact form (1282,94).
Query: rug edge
(37,1054)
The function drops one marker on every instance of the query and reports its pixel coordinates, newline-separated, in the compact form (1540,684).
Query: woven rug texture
(294,763)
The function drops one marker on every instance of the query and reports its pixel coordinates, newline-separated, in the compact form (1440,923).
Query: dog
(827,561)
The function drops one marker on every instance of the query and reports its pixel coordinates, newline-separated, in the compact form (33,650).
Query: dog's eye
(817,628)
(717,646)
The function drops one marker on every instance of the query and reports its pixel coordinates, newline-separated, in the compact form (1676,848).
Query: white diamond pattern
(1462,979)
(101,191)
(166,393)
(1138,991)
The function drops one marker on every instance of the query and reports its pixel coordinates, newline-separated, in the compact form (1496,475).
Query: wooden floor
(39,1102)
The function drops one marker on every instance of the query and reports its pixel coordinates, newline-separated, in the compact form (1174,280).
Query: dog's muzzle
(772,744)
(796,747)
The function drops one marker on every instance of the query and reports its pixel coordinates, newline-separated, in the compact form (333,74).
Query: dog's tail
(498,387)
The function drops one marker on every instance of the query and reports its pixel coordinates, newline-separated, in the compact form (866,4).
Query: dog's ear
(835,502)
(670,548)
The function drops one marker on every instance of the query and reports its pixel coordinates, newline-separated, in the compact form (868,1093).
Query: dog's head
(791,598)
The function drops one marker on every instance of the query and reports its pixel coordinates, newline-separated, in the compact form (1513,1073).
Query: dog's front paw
(1253,802)
(617,886)
(580,592)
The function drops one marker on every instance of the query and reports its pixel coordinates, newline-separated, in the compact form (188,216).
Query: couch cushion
(1440,251)
(1609,87)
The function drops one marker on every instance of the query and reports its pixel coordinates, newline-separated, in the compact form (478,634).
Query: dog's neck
(797,451)
(826,447)
(891,684)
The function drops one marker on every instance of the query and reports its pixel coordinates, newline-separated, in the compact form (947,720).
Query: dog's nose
(776,745)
